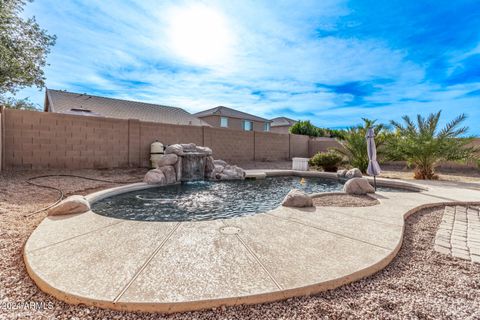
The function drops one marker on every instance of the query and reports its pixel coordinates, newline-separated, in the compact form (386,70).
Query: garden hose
(60,192)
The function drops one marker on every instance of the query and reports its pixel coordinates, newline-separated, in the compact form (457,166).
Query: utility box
(300,164)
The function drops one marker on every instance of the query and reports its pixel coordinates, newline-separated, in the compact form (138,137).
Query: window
(224,122)
(247,125)
(266,126)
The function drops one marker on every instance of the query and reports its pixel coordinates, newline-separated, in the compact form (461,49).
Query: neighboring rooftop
(282,121)
(229,112)
(85,104)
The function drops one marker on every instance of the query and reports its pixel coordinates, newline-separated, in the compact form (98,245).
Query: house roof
(90,105)
(282,121)
(229,112)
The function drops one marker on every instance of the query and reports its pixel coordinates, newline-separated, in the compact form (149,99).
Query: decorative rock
(341,173)
(70,205)
(155,176)
(204,150)
(227,173)
(209,166)
(297,198)
(359,186)
(240,172)
(189,147)
(353,173)
(215,174)
(167,160)
(170,174)
(220,163)
(175,149)
(230,173)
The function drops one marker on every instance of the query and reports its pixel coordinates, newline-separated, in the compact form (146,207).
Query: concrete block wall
(316,145)
(230,145)
(299,146)
(36,140)
(271,146)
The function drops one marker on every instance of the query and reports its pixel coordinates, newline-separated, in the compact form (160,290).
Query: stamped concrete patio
(178,266)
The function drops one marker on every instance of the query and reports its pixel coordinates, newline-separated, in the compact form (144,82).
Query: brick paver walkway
(459,233)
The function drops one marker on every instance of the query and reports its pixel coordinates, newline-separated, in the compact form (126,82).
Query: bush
(329,161)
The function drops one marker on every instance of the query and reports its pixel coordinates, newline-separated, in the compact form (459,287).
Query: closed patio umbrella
(373,167)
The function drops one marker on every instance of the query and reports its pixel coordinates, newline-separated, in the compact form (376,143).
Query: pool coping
(171,307)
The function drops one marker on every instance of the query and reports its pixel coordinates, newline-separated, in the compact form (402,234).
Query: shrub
(329,161)
(424,145)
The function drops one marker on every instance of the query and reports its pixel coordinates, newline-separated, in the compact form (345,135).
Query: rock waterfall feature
(189,162)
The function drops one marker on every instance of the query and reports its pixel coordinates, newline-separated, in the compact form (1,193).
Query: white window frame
(222,124)
(266,126)
(244,125)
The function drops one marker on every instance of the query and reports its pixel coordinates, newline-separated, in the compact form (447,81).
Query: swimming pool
(207,200)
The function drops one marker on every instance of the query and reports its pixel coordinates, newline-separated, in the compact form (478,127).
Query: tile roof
(282,121)
(229,112)
(85,104)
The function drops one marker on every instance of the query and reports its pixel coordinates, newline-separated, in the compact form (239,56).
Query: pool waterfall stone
(189,162)
(193,166)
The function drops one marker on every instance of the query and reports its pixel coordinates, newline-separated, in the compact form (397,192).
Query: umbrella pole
(375,182)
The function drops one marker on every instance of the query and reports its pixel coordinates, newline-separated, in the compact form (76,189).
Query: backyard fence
(36,140)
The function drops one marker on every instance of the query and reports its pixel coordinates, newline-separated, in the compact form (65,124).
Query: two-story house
(223,117)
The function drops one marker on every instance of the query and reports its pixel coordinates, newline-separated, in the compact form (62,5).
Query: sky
(331,62)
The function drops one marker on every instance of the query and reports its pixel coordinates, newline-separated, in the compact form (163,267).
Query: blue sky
(331,61)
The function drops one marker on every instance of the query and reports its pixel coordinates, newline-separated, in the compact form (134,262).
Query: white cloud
(148,50)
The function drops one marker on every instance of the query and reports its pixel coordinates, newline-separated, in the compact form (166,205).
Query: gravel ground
(418,284)
(344,200)
(444,174)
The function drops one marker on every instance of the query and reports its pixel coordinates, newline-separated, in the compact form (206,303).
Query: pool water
(206,200)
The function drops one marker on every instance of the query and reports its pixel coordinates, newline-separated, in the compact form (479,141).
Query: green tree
(23,49)
(20,104)
(304,128)
(423,144)
(354,143)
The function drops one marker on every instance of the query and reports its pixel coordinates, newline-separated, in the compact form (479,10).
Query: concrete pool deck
(179,266)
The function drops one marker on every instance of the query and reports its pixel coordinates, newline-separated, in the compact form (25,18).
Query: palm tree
(424,145)
(354,142)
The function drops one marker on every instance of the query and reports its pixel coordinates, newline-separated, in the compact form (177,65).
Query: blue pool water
(206,200)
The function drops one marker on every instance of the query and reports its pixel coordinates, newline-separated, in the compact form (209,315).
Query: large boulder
(204,150)
(155,176)
(353,173)
(71,205)
(232,173)
(189,147)
(217,170)
(359,186)
(341,173)
(167,160)
(169,173)
(219,162)
(297,198)
(175,149)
